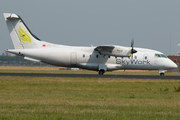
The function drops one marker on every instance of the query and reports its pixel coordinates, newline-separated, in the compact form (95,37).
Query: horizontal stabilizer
(10,15)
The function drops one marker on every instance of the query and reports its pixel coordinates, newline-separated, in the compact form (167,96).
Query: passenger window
(135,57)
(145,57)
(96,56)
(83,55)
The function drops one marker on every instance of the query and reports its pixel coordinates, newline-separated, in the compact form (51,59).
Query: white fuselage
(88,58)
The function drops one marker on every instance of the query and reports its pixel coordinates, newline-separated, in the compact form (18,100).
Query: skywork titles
(127,62)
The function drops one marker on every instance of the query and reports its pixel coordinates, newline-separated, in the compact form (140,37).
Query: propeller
(132,50)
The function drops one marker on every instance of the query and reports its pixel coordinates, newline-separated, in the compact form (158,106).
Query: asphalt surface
(91,76)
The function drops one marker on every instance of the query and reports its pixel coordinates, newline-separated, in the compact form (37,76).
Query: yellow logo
(24,37)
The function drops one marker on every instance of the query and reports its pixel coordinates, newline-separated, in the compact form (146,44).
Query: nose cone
(172,65)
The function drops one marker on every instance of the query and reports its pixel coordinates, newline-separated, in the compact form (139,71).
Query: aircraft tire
(161,74)
(101,72)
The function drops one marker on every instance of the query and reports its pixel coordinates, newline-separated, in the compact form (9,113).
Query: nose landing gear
(161,72)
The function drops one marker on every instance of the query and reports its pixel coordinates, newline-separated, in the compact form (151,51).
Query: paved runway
(91,76)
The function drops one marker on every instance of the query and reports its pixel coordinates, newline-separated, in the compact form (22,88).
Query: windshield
(160,56)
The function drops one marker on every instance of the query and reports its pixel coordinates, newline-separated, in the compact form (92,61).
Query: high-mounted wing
(104,48)
(116,51)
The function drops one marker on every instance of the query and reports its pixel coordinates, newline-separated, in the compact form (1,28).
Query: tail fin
(20,34)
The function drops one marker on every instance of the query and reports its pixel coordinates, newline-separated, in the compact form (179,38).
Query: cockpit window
(160,56)
(163,56)
(157,55)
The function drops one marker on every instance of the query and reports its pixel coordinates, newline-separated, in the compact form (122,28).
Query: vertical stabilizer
(20,34)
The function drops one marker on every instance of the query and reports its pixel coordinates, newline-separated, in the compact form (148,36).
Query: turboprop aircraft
(100,58)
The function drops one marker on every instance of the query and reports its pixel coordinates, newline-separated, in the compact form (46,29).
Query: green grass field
(39,98)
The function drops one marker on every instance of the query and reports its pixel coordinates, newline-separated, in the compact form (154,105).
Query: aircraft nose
(172,65)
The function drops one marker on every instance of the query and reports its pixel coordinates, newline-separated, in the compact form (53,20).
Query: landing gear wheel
(161,74)
(101,72)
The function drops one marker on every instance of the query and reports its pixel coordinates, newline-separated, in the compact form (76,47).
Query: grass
(88,98)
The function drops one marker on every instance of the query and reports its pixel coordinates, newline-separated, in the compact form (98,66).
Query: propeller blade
(132,49)
(131,57)
(132,42)
(132,45)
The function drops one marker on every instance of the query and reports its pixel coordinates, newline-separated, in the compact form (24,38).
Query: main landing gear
(101,72)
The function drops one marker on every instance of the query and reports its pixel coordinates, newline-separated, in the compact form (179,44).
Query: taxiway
(91,76)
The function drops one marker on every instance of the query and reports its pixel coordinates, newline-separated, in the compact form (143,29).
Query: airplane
(99,58)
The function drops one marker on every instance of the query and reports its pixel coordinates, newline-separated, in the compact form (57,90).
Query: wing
(111,50)
(104,48)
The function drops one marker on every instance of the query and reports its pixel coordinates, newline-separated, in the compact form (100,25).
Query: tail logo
(24,37)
